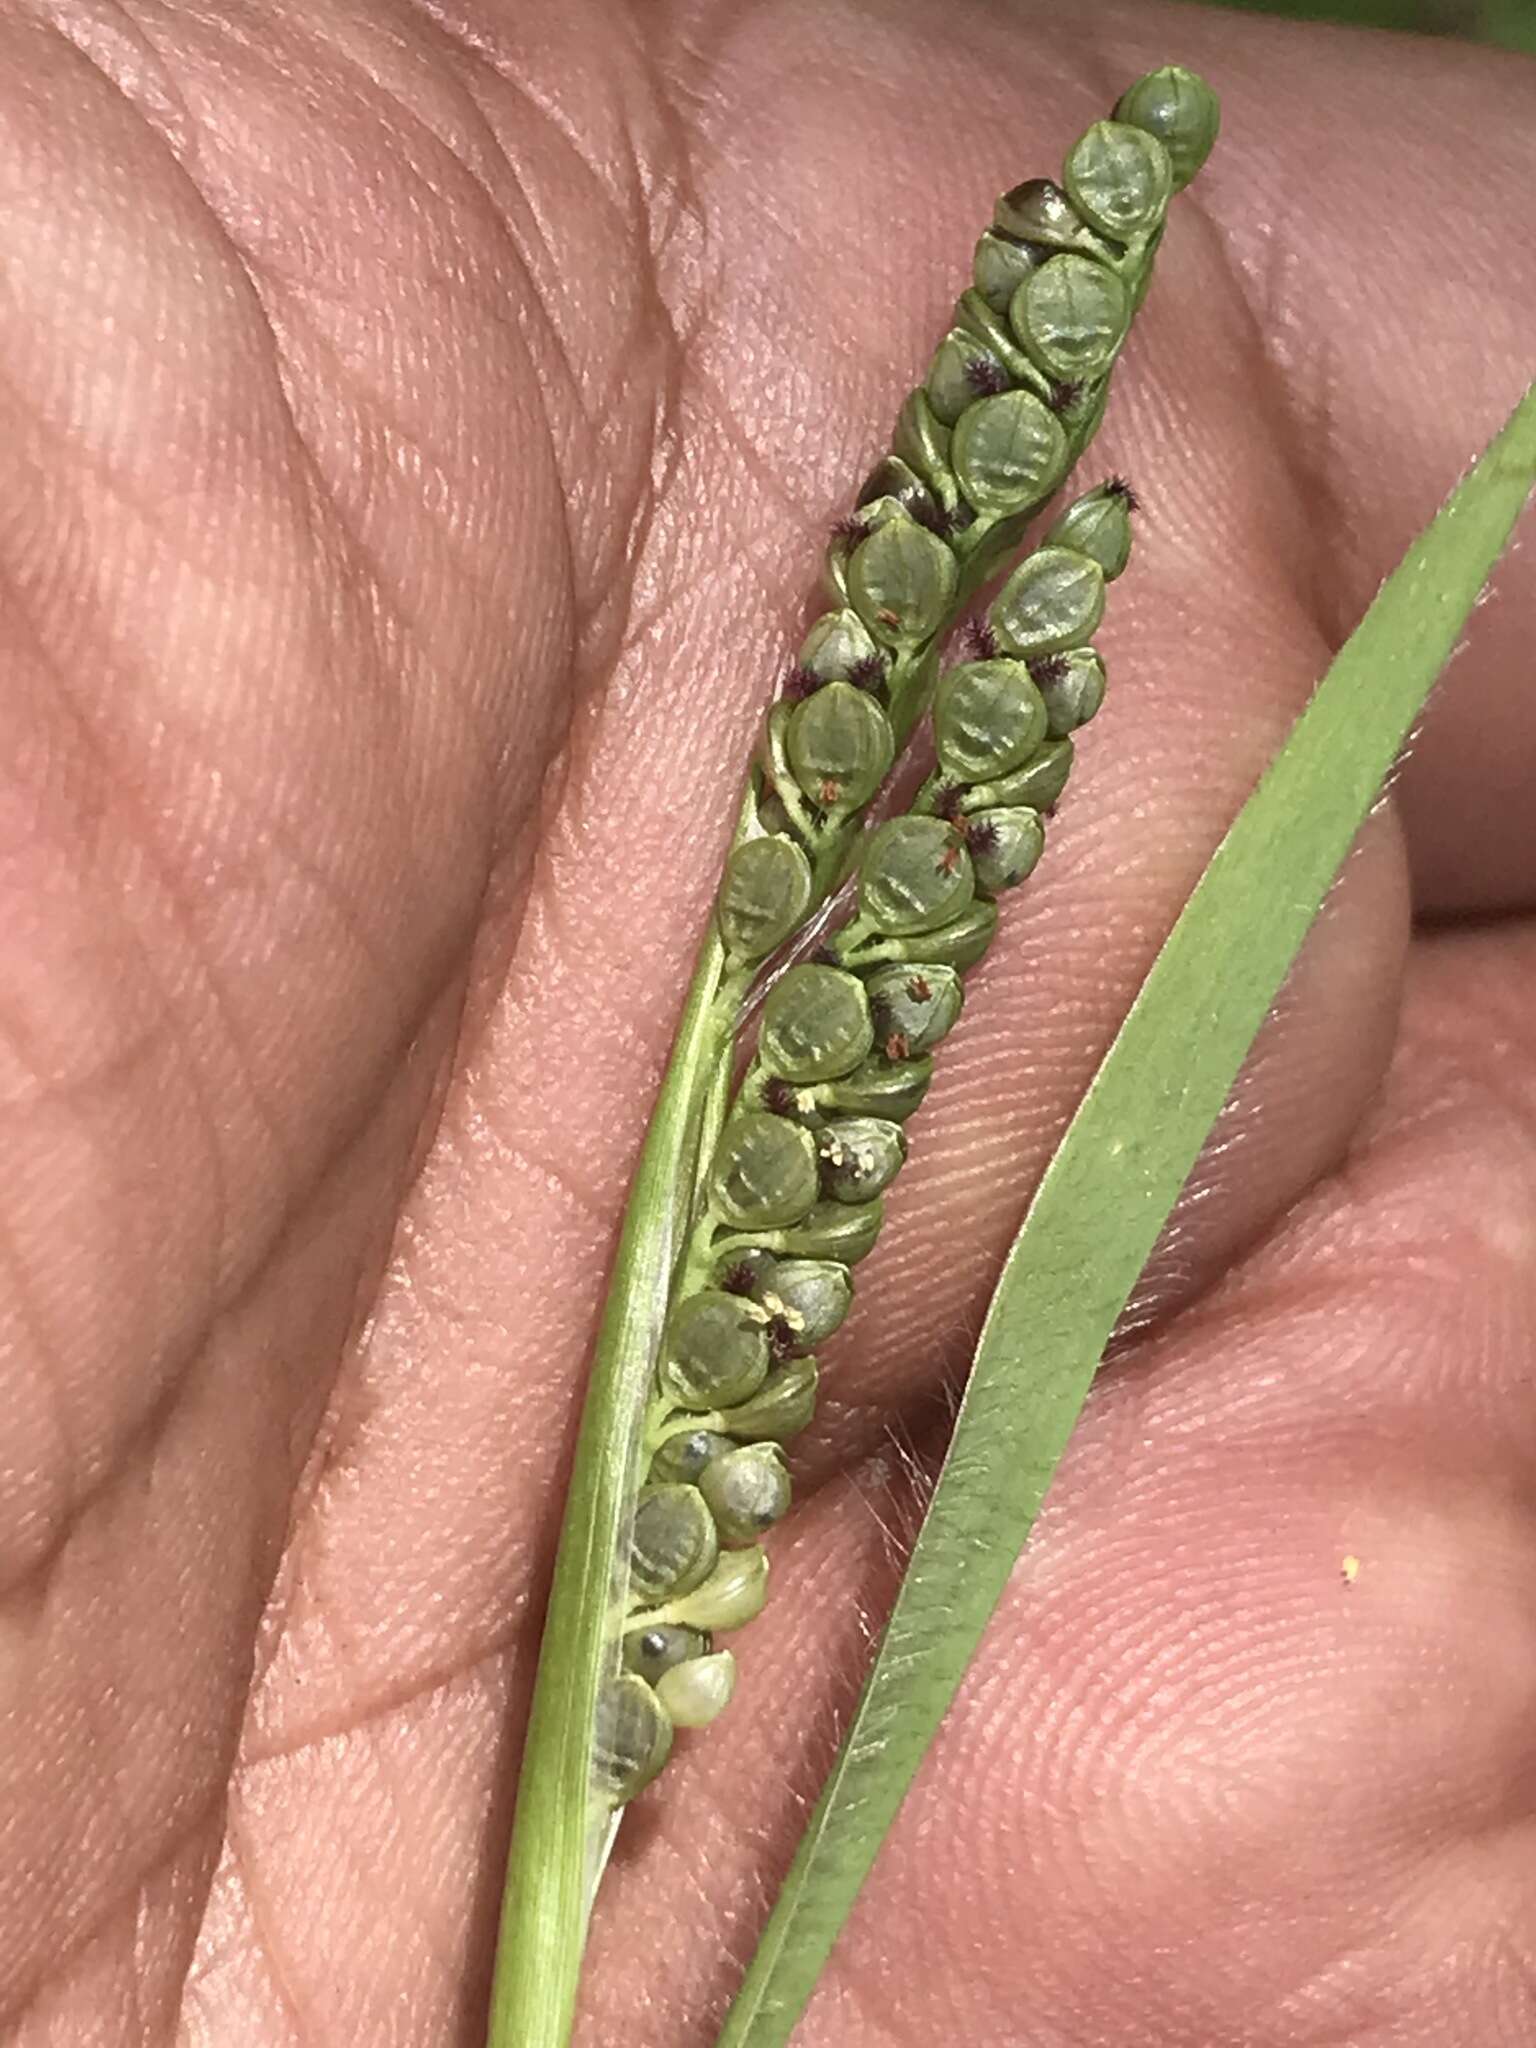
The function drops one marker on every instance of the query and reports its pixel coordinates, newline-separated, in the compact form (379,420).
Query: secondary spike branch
(735,1258)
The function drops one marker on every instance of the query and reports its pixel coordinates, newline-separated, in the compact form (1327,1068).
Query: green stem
(560,1832)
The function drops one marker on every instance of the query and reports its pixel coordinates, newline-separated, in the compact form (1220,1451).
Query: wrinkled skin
(419,426)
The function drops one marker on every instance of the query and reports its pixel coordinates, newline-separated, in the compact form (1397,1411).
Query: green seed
(682,1458)
(698,1692)
(988,718)
(762,1175)
(860,1157)
(1073,691)
(1179,108)
(631,1738)
(1009,452)
(732,1595)
(1054,599)
(840,746)
(961,943)
(902,583)
(845,1231)
(716,1351)
(816,1025)
(1071,315)
(1038,211)
(1098,525)
(975,319)
(1005,846)
(672,1544)
(835,645)
(781,1409)
(958,359)
(764,896)
(747,1491)
(1000,266)
(651,1651)
(833,1230)
(914,1007)
(1119,178)
(881,1087)
(1036,785)
(807,1298)
(893,478)
(915,876)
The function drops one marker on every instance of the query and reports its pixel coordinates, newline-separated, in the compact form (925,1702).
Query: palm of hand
(422,432)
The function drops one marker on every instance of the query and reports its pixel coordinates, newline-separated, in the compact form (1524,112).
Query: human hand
(422,425)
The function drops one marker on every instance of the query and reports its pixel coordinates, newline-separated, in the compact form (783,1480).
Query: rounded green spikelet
(650,1651)
(840,746)
(915,876)
(632,1738)
(747,1491)
(988,718)
(1010,452)
(1053,600)
(764,896)
(860,1157)
(816,1024)
(1180,109)
(1120,179)
(1098,525)
(765,1171)
(715,1352)
(695,1694)
(1071,315)
(672,1542)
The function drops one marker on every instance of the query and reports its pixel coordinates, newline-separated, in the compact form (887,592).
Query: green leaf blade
(1108,1191)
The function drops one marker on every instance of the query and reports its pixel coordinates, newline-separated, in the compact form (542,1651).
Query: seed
(764,1169)
(988,718)
(683,1457)
(915,876)
(811,1297)
(1099,525)
(732,1595)
(860,1157)
(1038,211)
(1055,598)
(1071,315)
(1009,452)
(747,1491)
(764,896)
(840,741)
(672,1544)
(902,583)
(651,1651)
(715,1352)
(919,1009)
(698,1692)
(835,645)
(1119,178)
(1179,108)
(815,1026)
(631,1738)
(781,1408)
(950,383)
(1000,265)
(1073,691)
(1005,845)
(881,1087)
(893,478)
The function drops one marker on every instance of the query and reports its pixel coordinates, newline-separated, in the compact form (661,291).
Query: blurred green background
(1511,23)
